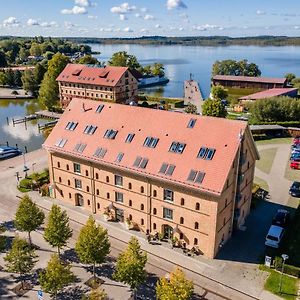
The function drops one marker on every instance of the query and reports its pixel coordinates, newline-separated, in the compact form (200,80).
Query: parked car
(295,146)
(295,164)
(296,150)
(295,156)
(296,139)
(274,236)
(295,189)
(8,152)
(281,218)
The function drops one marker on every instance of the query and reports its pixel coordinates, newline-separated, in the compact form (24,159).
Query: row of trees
(92,248)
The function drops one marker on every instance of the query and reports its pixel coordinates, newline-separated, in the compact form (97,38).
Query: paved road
(213,275)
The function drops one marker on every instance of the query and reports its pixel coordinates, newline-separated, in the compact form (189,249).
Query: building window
(97,192)
(119,197)
(69,182)
(79,200)
(70,196)
(68,168)
(86,173)
(110,133)
(181,220)
(129,185)
(142,189)
(62,193)
(168,195)
(78,184)
(182,201)
(197,206)
(248,165)
(154,193)
(154,226)
(177,147)
(142,221)
(98,205)
(150,142)
(181,236)
(129,138)
(224,221)
(87,188)
(77,168)
(226,202)
(196,225)
(195,241)
(154,211)
(130,217)
(142,206)
(167,213)
(97,176)
(89,202)
(59,179)
(107,179)
(118,180)
(130,203)
(107,196)
(58,164)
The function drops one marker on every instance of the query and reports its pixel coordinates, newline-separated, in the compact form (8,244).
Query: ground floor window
(79,200)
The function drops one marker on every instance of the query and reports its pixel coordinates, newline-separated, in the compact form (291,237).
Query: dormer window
(177,147)
(110,134)
(150,142)
(71,125)
(191,123)
(129,138)
(90,129)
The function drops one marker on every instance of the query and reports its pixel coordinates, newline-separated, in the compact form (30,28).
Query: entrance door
(119,215)
(168,231)
(79,200)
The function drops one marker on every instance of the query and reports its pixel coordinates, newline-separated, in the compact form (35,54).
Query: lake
(181,61)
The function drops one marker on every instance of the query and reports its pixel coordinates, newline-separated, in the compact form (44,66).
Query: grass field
(262,183)
(266,160)
(285,140)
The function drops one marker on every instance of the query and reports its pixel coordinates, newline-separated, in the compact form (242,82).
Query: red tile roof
(250,79)
(107,76)
(220,134)
(270,93)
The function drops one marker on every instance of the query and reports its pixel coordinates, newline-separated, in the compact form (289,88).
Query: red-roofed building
(249,82)
(183,175)
(113,84)
(289,92)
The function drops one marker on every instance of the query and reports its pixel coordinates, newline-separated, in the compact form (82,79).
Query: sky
(112,18)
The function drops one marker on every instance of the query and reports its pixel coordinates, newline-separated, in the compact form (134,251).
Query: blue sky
(111,18)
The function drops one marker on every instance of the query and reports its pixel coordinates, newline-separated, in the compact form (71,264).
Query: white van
(274,236)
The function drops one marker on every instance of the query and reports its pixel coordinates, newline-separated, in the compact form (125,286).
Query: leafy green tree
(213,108)
(29,82)
(20,258)
(191,109)
(88,60)
(177,288)
(96,294)
(123,59)
(10,78)
(35,49)
(296,83)
(290,77)
(39,72)
(48,93)
(235,68)
(92,245)
(56,276)
(57,231)
(3,62)
(28,216)
(17,78)
(158,69)
(218,92)
(130,266)
(3,79)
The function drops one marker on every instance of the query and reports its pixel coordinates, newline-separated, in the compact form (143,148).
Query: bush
(288,269)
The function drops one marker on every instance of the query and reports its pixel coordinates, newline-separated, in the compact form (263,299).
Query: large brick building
(184,175)
(113,84)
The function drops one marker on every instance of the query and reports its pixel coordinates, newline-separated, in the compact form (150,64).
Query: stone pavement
(222,276)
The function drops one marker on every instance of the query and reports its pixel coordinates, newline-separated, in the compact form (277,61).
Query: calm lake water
(180,61)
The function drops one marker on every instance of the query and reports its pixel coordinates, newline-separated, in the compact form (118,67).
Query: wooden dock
(45,114)
(47,125)
(192,94)
(24,120)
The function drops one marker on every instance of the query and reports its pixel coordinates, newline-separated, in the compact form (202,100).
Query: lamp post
(284,257)
(33,164)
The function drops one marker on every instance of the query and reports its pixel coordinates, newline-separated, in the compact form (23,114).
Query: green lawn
(241,92)
(266,160)
(262,183)
(285,140)
(289,285)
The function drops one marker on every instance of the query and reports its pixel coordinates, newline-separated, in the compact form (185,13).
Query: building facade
(111,84)
(183,181)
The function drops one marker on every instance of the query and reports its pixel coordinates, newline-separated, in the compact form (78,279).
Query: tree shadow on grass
(104,270)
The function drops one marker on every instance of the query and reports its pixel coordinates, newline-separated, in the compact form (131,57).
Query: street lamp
(33,164)
(284,257)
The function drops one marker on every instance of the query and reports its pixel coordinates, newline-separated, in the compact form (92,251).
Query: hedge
(288,269)
(284,124)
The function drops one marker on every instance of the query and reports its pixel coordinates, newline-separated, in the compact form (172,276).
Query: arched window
(107,179)
(107,196)
(129,185)
(196,225)
(97,176)
(182,201)
(97,192)
(142,189)
(154,226)
(142,206)
(154,193)
(195,241)
(58,164)
(87,188)
(130,202)
(154,211)
(68,168)
(59,179)
(89,202)
(86,173)
(130,217)
(79,200)
(197,206)
(142,221)
(98,205)
(69,182)
(70,196)
(181,220)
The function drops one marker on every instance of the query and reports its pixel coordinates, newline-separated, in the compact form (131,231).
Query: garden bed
(94,282)
(22,289)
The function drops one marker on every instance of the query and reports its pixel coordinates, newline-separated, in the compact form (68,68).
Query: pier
(47,125)
(193,94)
(45,114)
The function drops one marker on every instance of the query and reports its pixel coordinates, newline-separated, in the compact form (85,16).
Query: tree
(48,93)
(191,109)
(92,245)
(218,92)
(39,72)
(213,108)
(235,68)
(130,266)
(123,59)
(57,231)
(28,216)
(35,49)
(157,69)
(3,62)
(20,258)
(290,77)
(56,276)
(96,294)
(29,82)
(88,60)
(177,288)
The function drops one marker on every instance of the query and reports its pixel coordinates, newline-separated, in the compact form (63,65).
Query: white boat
(8,152)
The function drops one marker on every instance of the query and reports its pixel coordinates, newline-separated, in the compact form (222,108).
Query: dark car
(295,189)
(281,218)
